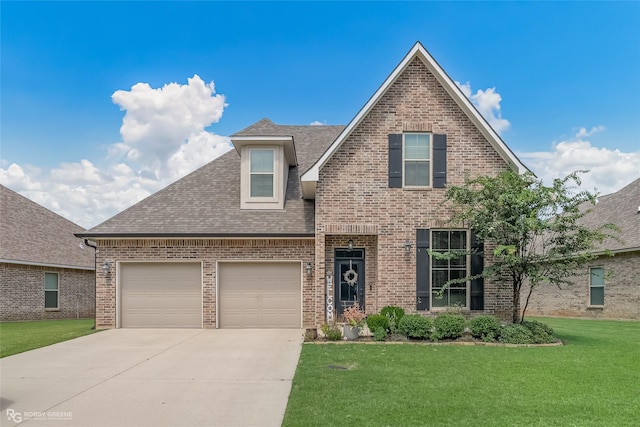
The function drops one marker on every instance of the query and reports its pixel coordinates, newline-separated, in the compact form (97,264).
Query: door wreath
(350,276)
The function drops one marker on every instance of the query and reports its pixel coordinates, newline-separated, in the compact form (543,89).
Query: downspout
(95,280)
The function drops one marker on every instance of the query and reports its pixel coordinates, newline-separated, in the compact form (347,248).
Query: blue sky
(565,79)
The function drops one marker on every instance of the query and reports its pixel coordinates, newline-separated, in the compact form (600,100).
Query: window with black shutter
(417,160)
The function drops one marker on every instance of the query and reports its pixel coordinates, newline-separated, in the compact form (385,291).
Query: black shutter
(477,265)
(439,161)
(422,269)
(395,160)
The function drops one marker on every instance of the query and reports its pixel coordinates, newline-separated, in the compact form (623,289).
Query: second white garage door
(160,295)
(259,295)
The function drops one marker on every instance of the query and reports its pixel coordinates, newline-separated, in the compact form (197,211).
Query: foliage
(516,334)
(331,331)
(415,326)
(592,380)
(379,334)
(536,228)
(18,337)
(448,326)
(375,321)
(542,334)
(486,328)
(393,315)
(354,316)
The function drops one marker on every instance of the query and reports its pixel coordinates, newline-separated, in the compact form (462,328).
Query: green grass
(593,380)
(17,337)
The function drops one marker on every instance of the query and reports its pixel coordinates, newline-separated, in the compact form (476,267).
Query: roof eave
(195,235)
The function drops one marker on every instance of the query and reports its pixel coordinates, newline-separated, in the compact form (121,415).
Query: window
(443,270)
(596,286)
(51,290)
(262,172)
(417,159)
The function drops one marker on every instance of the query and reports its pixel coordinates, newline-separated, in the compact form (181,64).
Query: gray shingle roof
(207,201)
(32,234)
(620,208)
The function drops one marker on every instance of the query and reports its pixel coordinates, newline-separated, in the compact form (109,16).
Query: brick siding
(22,290)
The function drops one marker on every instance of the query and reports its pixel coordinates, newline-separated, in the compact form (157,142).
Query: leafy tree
(536,228)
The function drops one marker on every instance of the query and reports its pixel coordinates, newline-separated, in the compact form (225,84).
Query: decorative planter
(350,332)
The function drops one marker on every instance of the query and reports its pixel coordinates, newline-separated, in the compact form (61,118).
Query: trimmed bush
(331,332)
(393,315)
(379,334)
(415,326)
(486,328)
(448,326)
(542,334)
(516,334)
(375,321)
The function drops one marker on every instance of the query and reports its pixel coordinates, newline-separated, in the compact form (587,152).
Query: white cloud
(488,104)
(164,137)
(317,123)
(609,170)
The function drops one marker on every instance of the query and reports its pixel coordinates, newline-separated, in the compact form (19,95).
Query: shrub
(393,315)
(516,334)
(449,326)
(486,328)
(331,332)
(542,334)
(379,334)
(375,321)
(354,316)
(415,326)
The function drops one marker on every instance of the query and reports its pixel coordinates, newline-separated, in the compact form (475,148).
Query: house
(45,271)
(610,285)
(298,222)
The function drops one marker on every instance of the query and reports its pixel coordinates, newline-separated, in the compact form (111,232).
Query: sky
(105,103)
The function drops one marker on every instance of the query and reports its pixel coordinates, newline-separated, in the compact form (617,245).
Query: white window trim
(468,270)
(430,160)
(596,286)
(280,176)
(273,197)
(57,291)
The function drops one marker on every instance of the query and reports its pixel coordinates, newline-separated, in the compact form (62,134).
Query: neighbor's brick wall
(22,290)
(353,185)
(621,292)
(207,251)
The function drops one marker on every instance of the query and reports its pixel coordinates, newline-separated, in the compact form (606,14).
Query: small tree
(536,228)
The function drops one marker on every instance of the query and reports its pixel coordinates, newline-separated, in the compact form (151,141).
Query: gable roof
(621,208)
(310,177)
(206,203)
(32,234)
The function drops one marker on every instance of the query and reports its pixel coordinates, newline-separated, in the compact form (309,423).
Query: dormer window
(262,167)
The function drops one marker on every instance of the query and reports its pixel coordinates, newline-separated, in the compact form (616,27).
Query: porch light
(350,245)
(307,267)
(106,266)
(407,246)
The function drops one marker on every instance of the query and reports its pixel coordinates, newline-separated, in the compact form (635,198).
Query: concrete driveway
(153,377)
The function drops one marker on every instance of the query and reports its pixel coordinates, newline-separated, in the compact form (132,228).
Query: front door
(349,278)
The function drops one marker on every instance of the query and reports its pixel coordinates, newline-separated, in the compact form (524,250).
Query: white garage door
(259,295)
(160,295)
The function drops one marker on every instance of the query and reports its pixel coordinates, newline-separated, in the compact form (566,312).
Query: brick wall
(621,292)
(353,186)
(22,290)
(207,251)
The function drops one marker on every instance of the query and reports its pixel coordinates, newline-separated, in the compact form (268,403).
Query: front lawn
(593,380)
(16,337)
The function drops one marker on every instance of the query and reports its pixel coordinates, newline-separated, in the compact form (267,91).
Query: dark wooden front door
(349,278)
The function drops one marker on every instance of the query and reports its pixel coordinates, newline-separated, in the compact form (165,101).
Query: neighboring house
(298,222)
(610,285)
(45,273)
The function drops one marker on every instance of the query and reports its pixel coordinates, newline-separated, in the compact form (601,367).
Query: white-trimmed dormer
(264,169)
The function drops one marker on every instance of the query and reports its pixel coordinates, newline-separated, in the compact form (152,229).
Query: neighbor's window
(596,286)
(443,270)
(262,172)
(417,159)
(51,290)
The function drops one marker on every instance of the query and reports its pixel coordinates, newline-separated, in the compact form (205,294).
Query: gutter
(95,281)
(197,235)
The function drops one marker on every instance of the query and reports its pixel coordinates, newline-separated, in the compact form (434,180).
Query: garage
(259,295)
(160,295)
